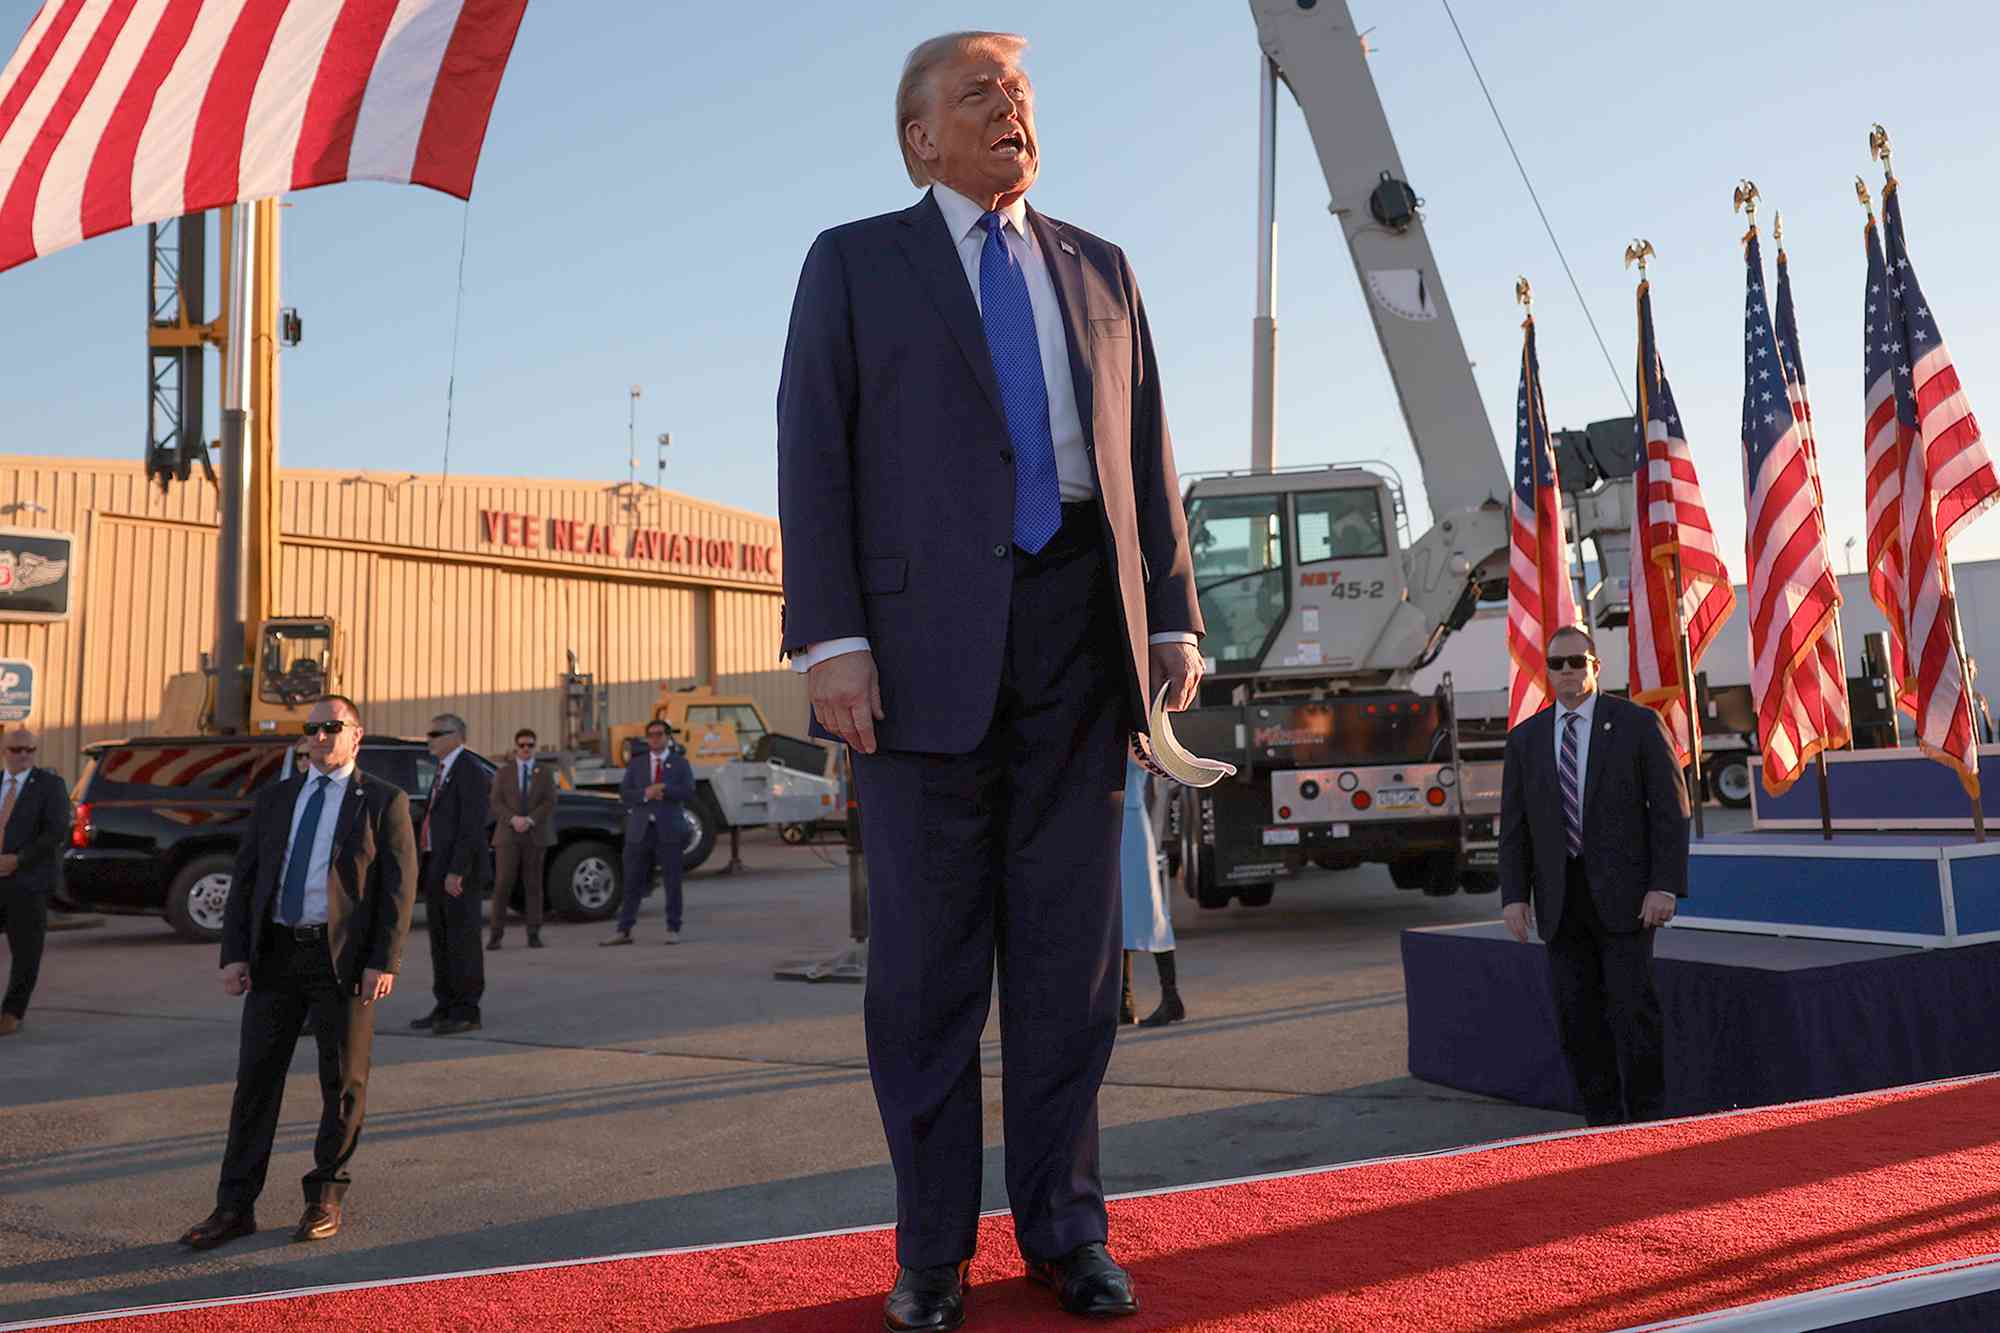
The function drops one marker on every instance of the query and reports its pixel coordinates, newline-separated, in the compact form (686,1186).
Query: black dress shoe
(425,1023)
(447,1027)
(926,1298)
(321,1220)
(534,940)
(1088,1281)
(1171,1010)
(219,1226)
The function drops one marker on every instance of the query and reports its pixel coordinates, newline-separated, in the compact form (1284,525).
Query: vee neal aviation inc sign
(684,550)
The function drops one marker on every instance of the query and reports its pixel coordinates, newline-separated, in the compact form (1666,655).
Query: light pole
(632,438)
(660,477)
(1850,555)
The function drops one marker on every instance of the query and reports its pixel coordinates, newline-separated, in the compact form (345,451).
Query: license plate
(1397,798)
(1281,837)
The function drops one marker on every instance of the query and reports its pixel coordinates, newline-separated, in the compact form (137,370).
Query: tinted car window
(183,772)
(395,767)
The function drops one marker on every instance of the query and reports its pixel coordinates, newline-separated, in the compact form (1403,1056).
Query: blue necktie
(1024,393)
(292,904)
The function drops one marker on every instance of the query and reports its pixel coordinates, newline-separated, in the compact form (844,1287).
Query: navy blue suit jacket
(896,474)
(676,776)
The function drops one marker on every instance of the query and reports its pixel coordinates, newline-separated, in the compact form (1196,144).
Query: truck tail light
(1362,800)
(1435,796)
(1284,812)
(80,831)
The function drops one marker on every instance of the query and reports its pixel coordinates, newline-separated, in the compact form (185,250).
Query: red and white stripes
(120,112)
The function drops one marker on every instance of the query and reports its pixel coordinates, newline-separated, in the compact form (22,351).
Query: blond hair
(914,91)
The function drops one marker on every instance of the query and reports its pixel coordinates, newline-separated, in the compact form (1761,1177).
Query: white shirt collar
(1585,710)
(444,764)
(961,215)
(338,776)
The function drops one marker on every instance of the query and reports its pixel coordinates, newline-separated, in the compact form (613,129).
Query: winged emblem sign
(22,570)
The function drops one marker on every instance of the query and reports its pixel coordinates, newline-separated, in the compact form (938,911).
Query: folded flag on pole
(1669,520)
(115,113)
(1947,481)
(1540,597)
(1794,599)
(1836,719)
(1882,440)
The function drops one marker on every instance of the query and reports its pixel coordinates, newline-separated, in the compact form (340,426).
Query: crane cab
(1299,571)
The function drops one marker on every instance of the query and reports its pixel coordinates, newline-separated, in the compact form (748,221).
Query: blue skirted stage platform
(1796,968)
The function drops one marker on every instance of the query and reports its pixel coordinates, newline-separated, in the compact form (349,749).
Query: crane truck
(1320,603)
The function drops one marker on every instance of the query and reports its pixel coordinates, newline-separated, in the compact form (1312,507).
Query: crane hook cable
(1615,378)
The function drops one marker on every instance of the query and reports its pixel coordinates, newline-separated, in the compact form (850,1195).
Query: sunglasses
(1573,661)
(524,745)
(323,728)
(435,735)
(20,749)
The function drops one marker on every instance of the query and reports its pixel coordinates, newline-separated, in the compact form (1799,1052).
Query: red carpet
(1589,1231)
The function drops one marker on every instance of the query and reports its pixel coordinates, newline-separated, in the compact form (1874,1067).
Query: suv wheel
(199,896)
(583,881)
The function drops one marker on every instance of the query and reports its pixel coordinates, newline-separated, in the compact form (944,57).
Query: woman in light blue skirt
(1149,921)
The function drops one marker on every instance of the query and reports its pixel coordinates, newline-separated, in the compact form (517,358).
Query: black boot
(1126,1012)
(1171,1009)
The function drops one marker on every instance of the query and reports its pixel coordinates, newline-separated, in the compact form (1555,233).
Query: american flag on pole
(1794,599)
(1669,518)
(1948,481)
(1540,599)
(1883,447)
(1836,721)
(115,113)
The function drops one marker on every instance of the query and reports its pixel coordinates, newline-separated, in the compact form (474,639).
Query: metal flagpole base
(850,965)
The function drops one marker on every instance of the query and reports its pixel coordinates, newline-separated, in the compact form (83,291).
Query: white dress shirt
(314,912)
(1587,711)
(1075,473)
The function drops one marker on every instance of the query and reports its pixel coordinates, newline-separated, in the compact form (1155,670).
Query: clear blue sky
(655,171)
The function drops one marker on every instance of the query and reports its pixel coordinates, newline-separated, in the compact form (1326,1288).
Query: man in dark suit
(318,910)
(658,782)
(1594,826)
(986,573)
(453,848)
(524,828)
(34,820)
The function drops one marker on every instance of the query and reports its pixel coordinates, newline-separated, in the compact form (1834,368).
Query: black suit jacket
(35,832)
(371,884)
(1635,816)
(896,470)
(457,813)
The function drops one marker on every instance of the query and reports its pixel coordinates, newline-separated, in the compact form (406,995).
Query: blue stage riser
(1934,890)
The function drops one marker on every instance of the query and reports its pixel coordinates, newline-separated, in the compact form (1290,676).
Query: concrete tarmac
(642,1098)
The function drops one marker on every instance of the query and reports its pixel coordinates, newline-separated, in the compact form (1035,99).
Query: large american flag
(1948,481)
(115,113)
(1836,719)
(1669,518)
(1540,599)
(1882,441)
(1794,599)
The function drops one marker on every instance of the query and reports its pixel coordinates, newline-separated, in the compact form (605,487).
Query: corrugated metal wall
(434,616)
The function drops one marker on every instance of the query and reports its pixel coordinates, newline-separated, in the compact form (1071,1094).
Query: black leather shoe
(321,1221)
(426,1023)
(1171,1010)
(1088,1281)
(926,1298)
(534,940)
(219,1226)
(448,1027)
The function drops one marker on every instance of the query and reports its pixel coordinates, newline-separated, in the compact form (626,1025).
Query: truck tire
(1436,873)
(1408,872)
(795,835)
(1256,895)
(704,821)
(583,881)
(198,895)
(1730,780)
(1479,881)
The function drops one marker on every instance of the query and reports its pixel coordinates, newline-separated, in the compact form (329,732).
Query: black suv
(158,821)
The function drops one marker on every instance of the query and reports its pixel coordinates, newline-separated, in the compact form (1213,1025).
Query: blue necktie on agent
(292,903)
(1024,392)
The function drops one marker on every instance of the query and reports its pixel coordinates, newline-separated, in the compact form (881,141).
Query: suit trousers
(654,847)
(509,857)
(24,913)
(1007,853)
(458,964)
(1607,1012)
(291,980)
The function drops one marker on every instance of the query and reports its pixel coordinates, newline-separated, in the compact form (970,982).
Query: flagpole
(1965,697)
(1825,805)
(1697,792)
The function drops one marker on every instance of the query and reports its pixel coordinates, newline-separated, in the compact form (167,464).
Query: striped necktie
(1572,786)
